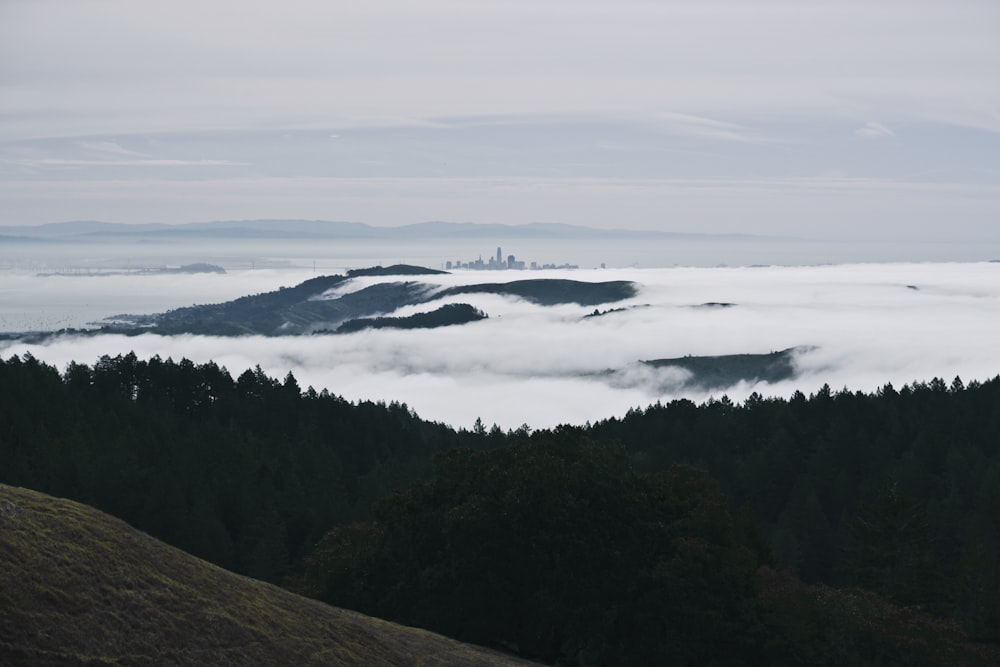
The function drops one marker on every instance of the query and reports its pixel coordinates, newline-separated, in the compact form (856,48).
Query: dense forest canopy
(246,472)
(554,547)
(895,493)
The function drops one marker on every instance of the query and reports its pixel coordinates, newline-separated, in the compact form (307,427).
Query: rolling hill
(80,587)
(718,372)
(313,305)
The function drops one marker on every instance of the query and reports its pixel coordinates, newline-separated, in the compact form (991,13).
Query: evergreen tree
(890,549)
(553,548)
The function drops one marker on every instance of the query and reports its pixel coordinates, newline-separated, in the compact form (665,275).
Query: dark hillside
(553,547)
(289,310)
(718,372)
(896,492)
(246,473)
(447,315)
(886,505)
(80,587)
(305,308)
(549,292)
(394,270)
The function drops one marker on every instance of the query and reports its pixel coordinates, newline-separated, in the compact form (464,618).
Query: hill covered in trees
(245,472)
(324,304)
(553,548)
(873,516)
(447,315)
(895,491)
(726,370)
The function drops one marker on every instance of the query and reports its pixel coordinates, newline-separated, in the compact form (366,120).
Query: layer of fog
(867,325)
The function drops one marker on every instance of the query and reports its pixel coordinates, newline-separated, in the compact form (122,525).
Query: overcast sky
(818,119)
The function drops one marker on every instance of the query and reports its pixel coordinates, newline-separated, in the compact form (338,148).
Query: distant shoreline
(92,273)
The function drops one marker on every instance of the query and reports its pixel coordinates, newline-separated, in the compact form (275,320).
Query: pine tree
(890,550)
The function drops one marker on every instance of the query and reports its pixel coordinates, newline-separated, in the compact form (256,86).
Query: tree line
(247,473)
(897,491)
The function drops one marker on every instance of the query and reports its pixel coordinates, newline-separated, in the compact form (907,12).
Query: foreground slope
(78,586)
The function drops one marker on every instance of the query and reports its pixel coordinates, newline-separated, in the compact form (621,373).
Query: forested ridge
(447,315)
(898,490)
(247,473)
(884,504)
(313,307)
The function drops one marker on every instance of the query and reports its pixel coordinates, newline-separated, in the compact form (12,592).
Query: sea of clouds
(861,326)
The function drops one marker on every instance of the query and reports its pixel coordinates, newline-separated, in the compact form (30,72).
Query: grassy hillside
(80,587)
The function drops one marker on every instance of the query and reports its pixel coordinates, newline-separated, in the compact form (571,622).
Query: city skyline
(498,263)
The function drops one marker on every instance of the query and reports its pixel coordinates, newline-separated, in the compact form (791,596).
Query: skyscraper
(499,257)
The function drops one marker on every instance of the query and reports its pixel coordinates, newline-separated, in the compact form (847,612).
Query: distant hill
(330,229)
(80,587)
(394,270)
(552,291)
(726,370)
(197,267)
(79,228)
(310,306)
(289,310)
(447,315)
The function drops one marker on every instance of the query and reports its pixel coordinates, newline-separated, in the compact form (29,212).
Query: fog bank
(865,325)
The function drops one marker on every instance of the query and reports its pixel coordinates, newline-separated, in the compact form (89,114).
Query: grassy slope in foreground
(78,586)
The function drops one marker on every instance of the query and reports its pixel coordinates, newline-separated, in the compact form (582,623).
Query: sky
(860,326)
(849,120)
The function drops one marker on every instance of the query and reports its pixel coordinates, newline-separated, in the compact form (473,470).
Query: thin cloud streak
(873,130)
(133,162)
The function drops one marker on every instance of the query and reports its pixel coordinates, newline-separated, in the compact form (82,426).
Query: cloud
(108,146)
(873,130)
(703,127)
(312,64)
(719,90)
(868,325)
(136,162)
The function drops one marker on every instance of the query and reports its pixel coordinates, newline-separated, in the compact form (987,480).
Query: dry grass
(80,587)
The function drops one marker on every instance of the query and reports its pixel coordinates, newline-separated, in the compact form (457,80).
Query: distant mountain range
(84,230)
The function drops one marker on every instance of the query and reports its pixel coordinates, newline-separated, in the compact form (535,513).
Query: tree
(553,548)
(890,550)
